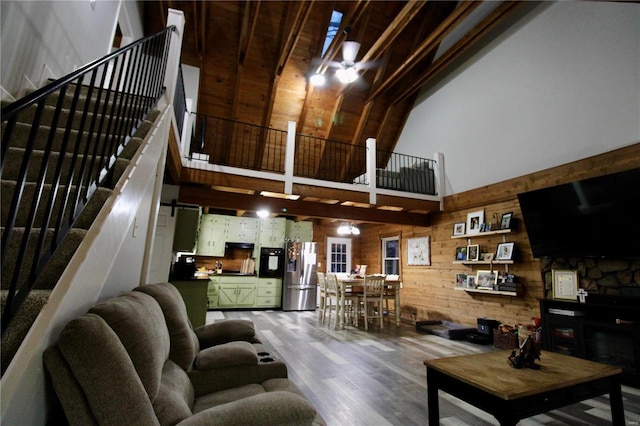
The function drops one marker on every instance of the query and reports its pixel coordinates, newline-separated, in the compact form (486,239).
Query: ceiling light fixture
(317,80)
(347,75)
(348,229)
(262,214)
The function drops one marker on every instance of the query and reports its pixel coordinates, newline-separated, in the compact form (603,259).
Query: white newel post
(440,184)
(289,157)
(174,18)
(371,170)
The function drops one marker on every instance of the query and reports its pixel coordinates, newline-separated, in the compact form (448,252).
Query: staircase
(64,148)
(43,283)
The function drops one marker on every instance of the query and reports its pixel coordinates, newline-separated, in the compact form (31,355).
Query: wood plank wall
(428,291)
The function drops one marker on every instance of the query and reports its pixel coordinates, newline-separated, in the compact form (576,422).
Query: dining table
(349,284)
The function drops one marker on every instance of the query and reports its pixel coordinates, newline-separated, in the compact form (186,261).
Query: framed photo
(458,228)
(461,280)
(564,284)
(418,251)
(505,251)
(486,279)
(461,253)
(474,221)
(486,257)
(505,222)
(471,281)
(473,252)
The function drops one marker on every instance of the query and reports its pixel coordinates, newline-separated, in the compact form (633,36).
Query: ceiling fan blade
(350,50)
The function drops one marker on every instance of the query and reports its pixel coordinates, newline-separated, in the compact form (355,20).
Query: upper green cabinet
(272,232)
(242,229)
(211,235)
(299,231)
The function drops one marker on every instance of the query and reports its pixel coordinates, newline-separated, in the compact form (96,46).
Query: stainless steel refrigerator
(300,277)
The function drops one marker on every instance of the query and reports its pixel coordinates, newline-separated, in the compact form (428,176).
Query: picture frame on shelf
(471,281)
(473,252)
(486,279)
(486,257)
(459,228)
(474,221)
(505,251)
(461,253)
(461,280)
(564,284)
(505,221)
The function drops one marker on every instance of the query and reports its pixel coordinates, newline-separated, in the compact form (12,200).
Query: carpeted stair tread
(13,163)
(109,126)
(54,268)
(84,221)
(20,137)
(21,323)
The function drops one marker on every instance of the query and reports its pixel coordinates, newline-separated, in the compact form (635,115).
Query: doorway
(338,255)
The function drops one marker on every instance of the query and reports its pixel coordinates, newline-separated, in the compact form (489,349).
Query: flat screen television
(597,217)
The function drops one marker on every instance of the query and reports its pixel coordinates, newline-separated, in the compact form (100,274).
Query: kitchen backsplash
(232,259)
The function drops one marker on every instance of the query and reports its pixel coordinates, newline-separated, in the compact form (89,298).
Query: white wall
(61,35)
(563,85)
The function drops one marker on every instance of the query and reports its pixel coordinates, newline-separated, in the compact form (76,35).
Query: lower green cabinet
(194,293)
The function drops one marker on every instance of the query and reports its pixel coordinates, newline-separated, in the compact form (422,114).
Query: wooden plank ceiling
(256,57)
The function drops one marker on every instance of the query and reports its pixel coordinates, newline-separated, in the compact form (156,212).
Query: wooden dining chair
(332,296)
(372,299)
(322,288)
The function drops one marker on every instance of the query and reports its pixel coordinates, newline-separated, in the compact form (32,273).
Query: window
(391,256)
(332,30)
(339,255)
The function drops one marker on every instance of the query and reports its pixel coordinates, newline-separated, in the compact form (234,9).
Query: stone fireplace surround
(601,276)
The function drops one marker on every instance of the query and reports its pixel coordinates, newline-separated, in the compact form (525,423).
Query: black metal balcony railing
(97,108)
(180,101)
(235,144)
(324,159)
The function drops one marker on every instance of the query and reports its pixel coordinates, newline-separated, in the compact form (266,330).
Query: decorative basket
(505,340)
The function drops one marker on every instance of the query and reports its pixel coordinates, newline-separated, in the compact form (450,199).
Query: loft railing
(324,159)
(180,102)
(235,144)
(97,108)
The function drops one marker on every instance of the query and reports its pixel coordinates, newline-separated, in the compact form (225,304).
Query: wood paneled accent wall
(428,291)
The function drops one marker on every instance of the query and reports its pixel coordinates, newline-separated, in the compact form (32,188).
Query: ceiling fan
(347,69)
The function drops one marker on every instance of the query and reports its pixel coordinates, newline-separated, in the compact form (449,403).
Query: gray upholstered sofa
(135,359)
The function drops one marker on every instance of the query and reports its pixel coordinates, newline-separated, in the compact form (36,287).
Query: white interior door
(162,251)
(339,255)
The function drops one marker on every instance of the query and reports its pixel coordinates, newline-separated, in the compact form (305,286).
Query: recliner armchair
(135,359)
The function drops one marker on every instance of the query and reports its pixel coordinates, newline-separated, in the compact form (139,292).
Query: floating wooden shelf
(482,234)
(487,291)
(483,262)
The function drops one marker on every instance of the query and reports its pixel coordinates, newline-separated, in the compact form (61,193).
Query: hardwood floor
(377,377)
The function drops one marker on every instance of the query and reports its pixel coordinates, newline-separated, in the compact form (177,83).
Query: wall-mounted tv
(597,217)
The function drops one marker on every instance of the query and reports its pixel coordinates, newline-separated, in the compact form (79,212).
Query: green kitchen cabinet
(194,294)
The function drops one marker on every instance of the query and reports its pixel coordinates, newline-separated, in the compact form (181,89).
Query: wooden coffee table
(488,382)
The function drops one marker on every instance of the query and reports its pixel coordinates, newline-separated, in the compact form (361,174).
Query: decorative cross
(582,295)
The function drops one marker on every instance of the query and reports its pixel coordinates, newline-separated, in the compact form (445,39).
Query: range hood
(238,246)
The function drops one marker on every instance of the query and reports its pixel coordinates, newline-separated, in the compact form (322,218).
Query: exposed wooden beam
(394,29)
(464,44)
(234,201)
(431,42)
(300,20)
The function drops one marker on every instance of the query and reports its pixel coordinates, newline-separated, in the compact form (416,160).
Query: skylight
(332,30)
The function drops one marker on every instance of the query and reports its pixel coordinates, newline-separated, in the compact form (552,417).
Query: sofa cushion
(227,355)
(176,396)
(104,371)
(269,408)
(227,395)
(72,398)
(226,331)
(184,343)
(139,323)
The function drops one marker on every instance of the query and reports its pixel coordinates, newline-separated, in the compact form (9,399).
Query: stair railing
(98,109)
